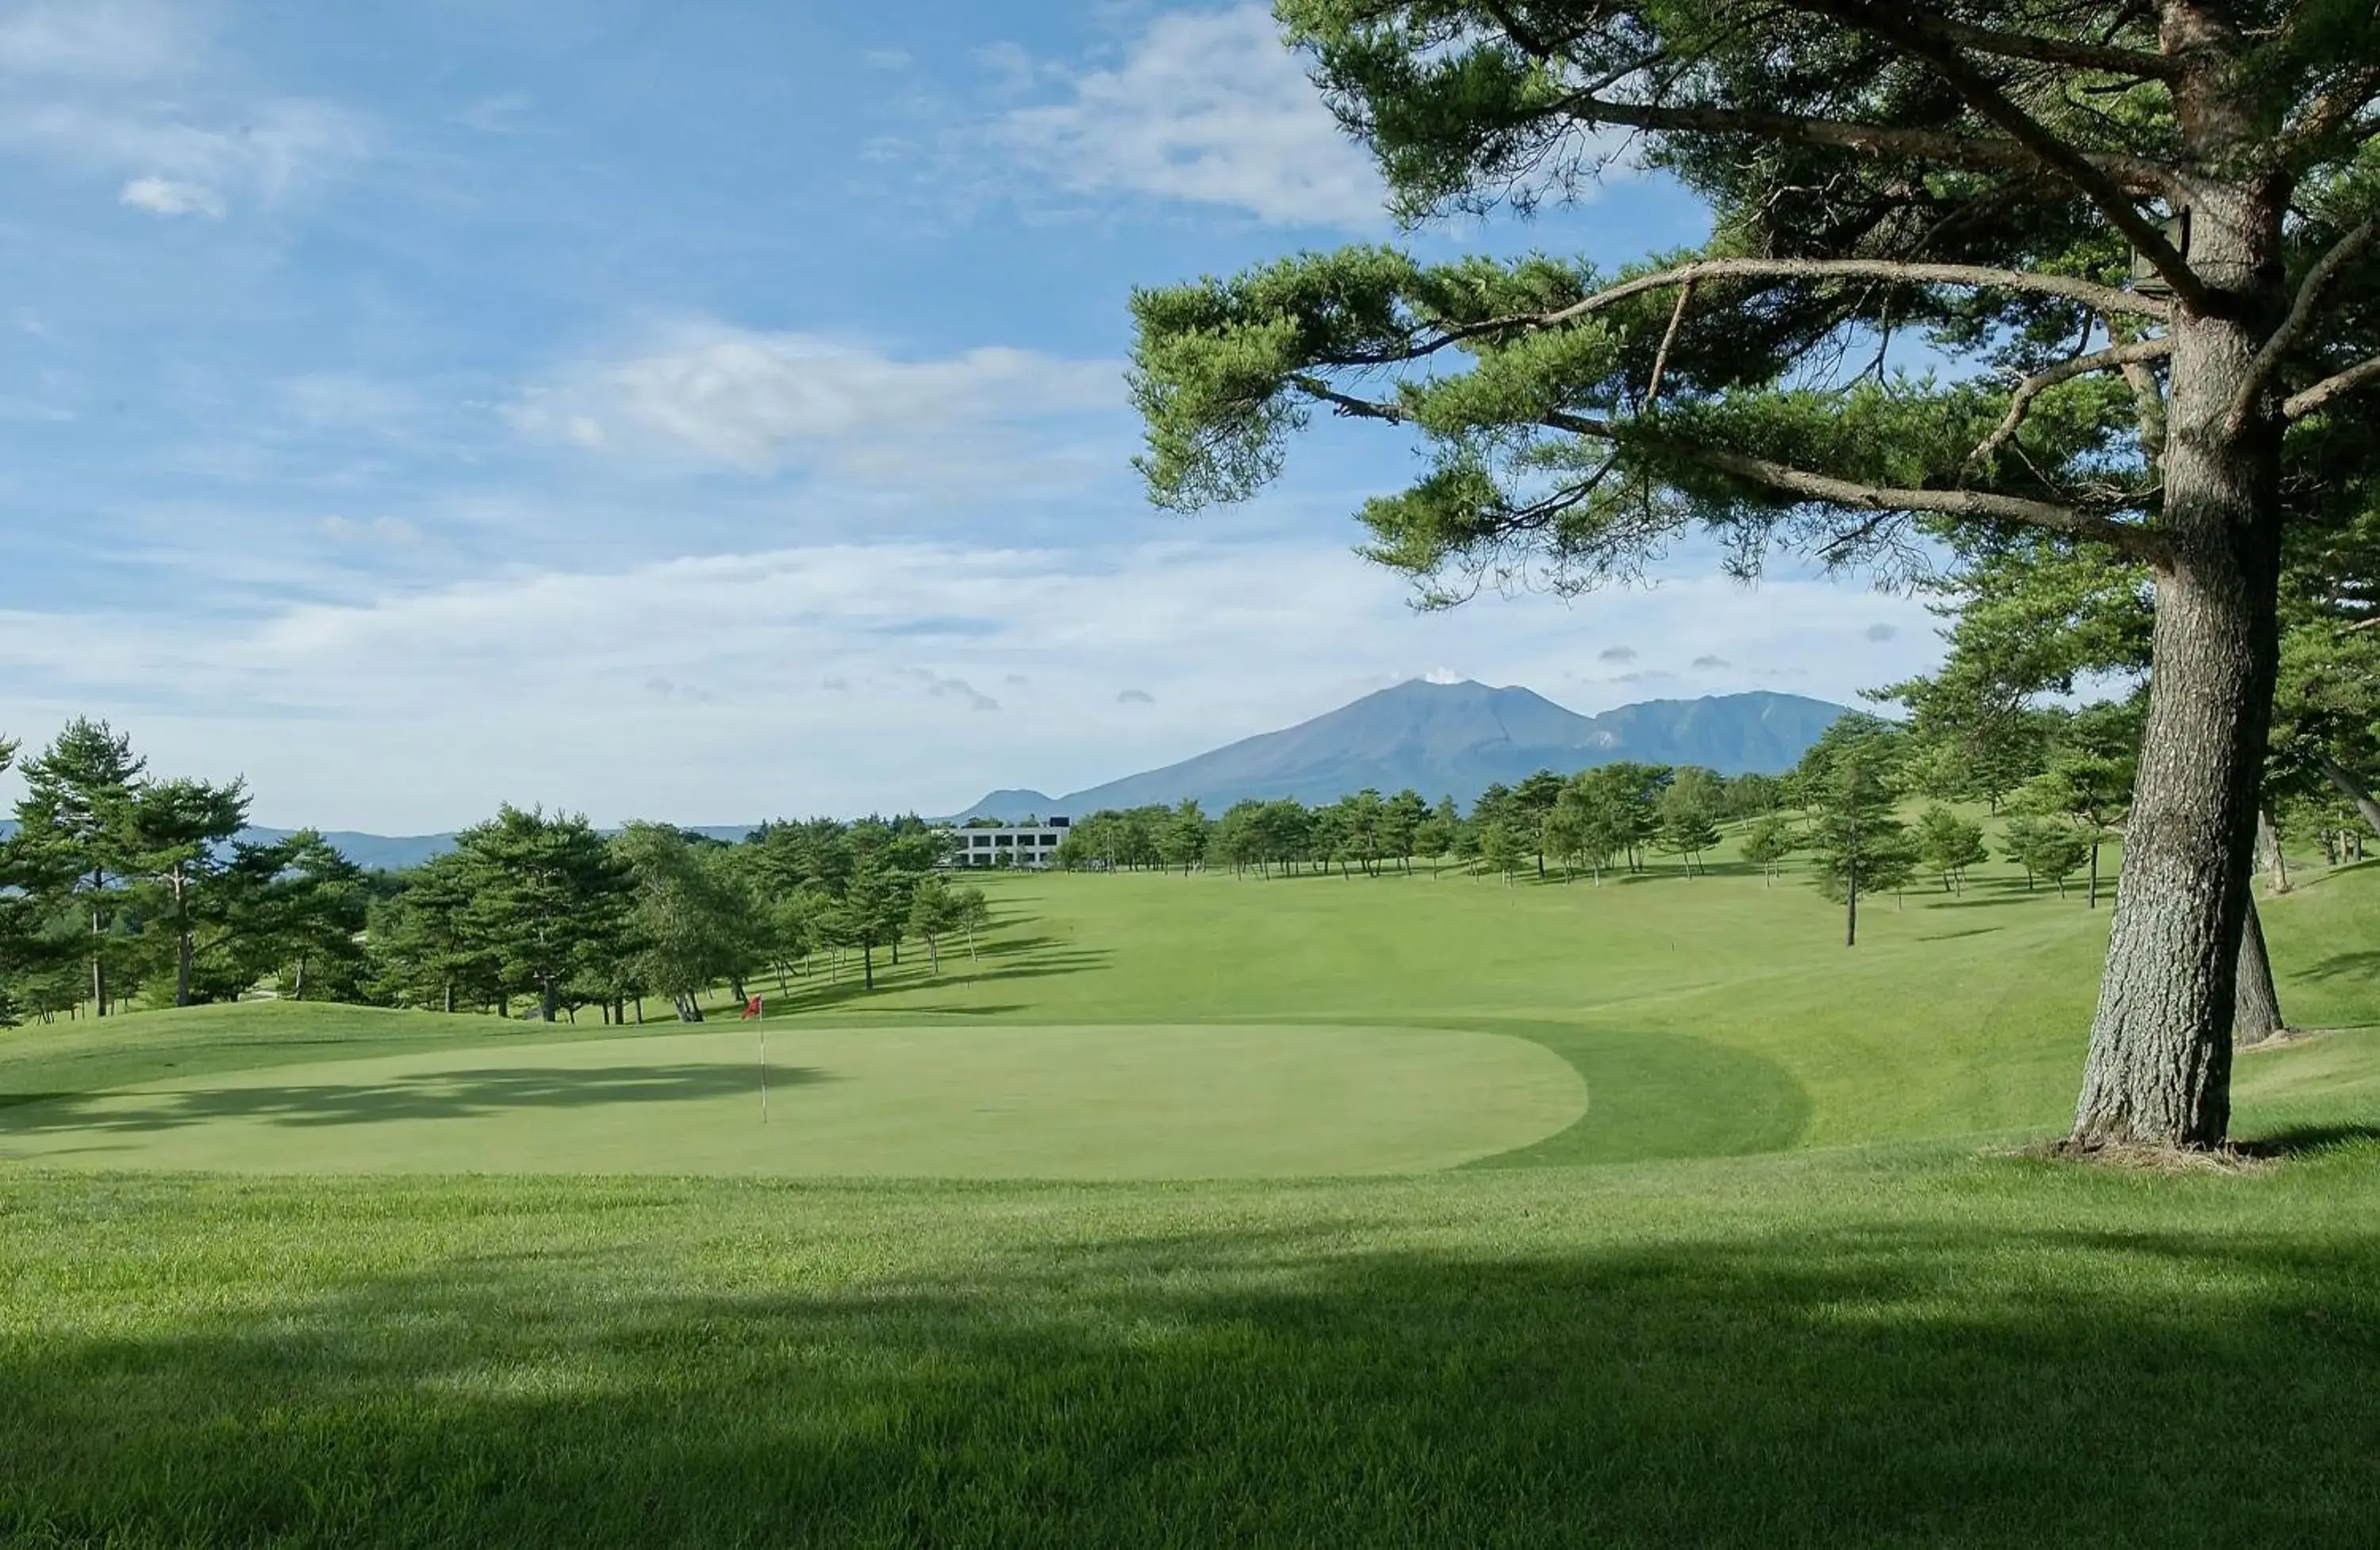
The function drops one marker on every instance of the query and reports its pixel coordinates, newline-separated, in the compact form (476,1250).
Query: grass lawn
(1687,1227)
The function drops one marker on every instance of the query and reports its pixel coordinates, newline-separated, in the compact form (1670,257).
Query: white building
(1032,844)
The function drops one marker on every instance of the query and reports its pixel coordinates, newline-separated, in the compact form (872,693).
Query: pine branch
(2106,58)
(2299,405)
(2107,299)
(2328,112)
(1669,338)
(2134,542)
(2302,315)
(1904,26)
(2033,387)
(2135,172)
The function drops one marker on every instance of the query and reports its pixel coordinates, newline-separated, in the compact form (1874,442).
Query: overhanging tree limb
(2081,55)
(2107,299)
(2302,312)
(2135,172)
(2138,353)
(2134,542)
(2299,405)
(2085,173)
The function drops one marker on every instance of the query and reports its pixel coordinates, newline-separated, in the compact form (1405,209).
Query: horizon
(405,440)
(951,813)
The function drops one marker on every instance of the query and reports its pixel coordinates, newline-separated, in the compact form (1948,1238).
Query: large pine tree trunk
(2159,1068)
(2256,1014)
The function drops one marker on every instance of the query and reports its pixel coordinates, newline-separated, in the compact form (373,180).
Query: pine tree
(77,835)
(547,899)
(2141,235)
(1950,844)
(181,832)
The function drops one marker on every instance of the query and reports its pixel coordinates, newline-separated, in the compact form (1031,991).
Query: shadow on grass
(991,969)
(445,1094)
(1868,1384)
(2343,966)
(2299,1141)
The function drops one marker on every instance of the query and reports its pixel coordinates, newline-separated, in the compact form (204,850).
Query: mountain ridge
(1453,740)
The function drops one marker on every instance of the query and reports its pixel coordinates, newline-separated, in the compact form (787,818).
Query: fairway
(1213,1210)
(1015,1103)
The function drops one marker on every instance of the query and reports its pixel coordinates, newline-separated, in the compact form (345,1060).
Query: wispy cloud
(1207,107)
(123,41)
(709,392)
(133,91)
(163,196)
(795,685)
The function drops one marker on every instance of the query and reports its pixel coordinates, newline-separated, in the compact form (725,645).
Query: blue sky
(706,411)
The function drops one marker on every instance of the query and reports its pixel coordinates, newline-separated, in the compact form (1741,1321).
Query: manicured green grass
(1008,1102)
(1781,1282)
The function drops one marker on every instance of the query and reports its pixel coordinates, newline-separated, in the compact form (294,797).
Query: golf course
(1198,1209)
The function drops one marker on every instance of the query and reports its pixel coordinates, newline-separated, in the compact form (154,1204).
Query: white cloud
(134,92)
(163,196)
(1208,107)
(841,677)
(1443,675)
(97,40)
(719,395)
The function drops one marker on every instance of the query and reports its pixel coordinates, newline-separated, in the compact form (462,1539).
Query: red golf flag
(751,1010)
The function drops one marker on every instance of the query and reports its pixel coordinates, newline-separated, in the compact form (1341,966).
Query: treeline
(1615,814)
(545,911)
(116,884)
(120,885)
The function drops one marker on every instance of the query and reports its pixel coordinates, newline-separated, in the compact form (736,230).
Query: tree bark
(2256,1014)
(181,939)
(2159,1068)
(867,963)
(2352,789)
(2269,835)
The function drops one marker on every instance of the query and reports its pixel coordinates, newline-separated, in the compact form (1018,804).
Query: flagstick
(764,1076)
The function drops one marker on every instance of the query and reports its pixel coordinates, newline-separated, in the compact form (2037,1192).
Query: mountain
(1456,739)
(1010,807)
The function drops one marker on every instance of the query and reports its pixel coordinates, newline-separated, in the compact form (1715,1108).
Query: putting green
(1072,1103)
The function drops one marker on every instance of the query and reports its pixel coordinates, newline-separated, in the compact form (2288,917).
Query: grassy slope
(1901,1343)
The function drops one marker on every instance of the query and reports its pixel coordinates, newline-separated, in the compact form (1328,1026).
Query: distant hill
(1455,739)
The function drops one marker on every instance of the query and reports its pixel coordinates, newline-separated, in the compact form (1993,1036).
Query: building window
(983,842)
